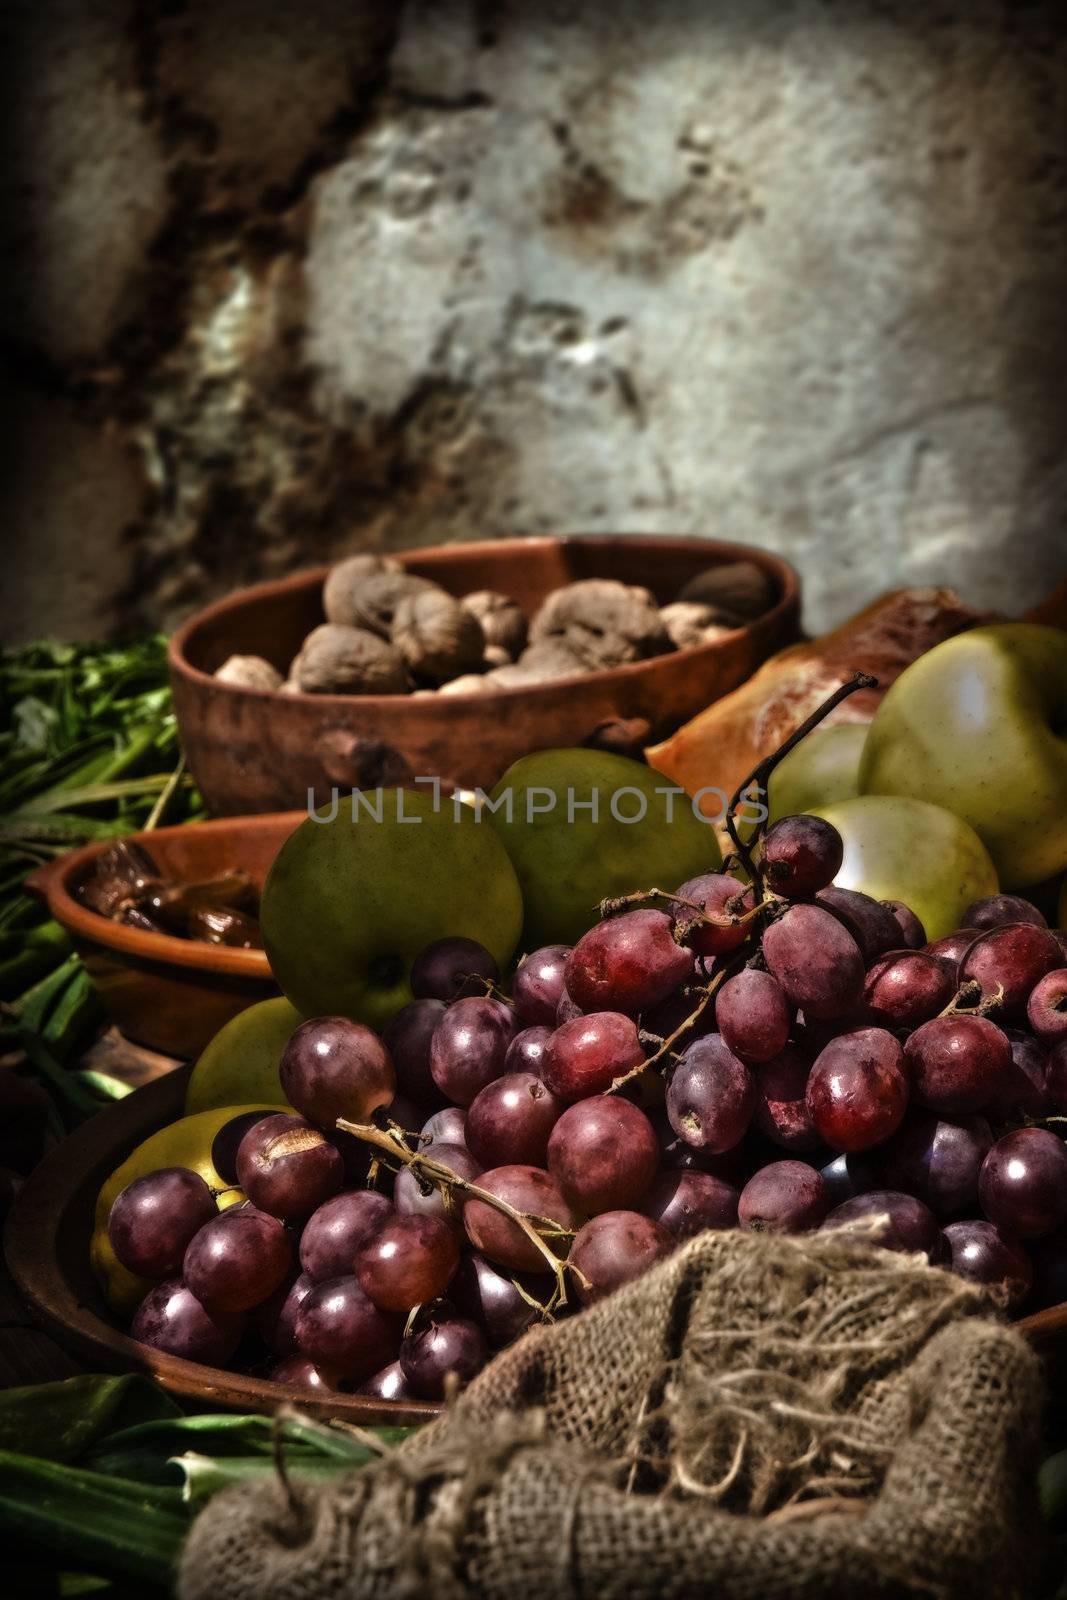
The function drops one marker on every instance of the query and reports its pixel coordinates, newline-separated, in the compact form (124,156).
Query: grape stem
(968,991)
(706,996)
(537,1229)
(759,777)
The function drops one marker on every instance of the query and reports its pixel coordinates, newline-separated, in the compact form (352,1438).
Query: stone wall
(290,280)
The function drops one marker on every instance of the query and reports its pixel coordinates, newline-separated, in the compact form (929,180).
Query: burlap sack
(758,1418)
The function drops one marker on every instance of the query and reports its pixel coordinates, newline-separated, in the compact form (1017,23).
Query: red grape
(857,1091)
(603,1153)
(870,922)
(538,984)
(335,1234)
(627,963)
(801,855)
(711,1096)
(388,1384)
(956,1063)
(753,1015)
(287,1167)
(227,1142)
(527,1189)
(613,1249)
(509,1121)
(686,1203)
(938,1161)
(914,934)
(784,1197)
(951,950)
(453,969)
(720,897)
(447,1126)
(448,1347)
(1008,962)
(296,1372)
(1046,1008)
(409,1261)
(997,910)
(492,1299)
(586,1055)
(410,1194)
(333,1068)
(816,960)
(238,1259)
(171,1318)
(1023,1183)
(893,1220)
(1023,1088)
(979,1252)
(407,1038)
(342,1331)
(905,988)
(153,1219)
(781,1101)
(469,1047)
(526,1051)
(275,1319)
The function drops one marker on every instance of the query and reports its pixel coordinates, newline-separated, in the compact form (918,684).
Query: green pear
(824,767)
(645,835)
(897,848)
(978,725)
(350,902)
(239,1065)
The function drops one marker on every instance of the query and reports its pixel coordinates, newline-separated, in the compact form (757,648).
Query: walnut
(496,656)
(339,660)
(542,662)
(690,624)
(602,622)
(502,620)
(249,672)
(344,579)
(437,638)
(371,601)
(740,589)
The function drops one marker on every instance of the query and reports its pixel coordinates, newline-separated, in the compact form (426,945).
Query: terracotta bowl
(251,750)
(47,1245)
(170,994)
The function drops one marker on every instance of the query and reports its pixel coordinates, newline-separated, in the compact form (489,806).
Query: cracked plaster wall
(290,280)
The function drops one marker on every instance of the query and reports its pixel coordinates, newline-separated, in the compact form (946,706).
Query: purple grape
(1008,962)
(153,1219)
(510,1120)
(979,1252)
(408,1262)
(905,988)
(335,1234)
(490,1298)
(801,855)
(687,1203)
(781,1101)
(613,1249)
(938,1161)
(872,924)
(816,960)
(171,1318)
(388,1384)
(407,1038)
(342,1331)
(753,1015)
(627,963)
(447,1126)
(415,1197)
(238,1259)
(951,950)
(857,1090)
(1023,1183)
(998,910)
(1046,1008)
(538,984)
(275,1319)
(333,1068)
(1022,1089)
(603,1153)
(711,1097)
(720,898)
(586,1055)
(526,1051)
(227,1142)
(890,1219)
(453,969)
(784,1197)
(529,1190)
(469,1047)
(957,1063)
(296,1372)
(849,1175)
(287,1167)
(448,1347)
(914,934)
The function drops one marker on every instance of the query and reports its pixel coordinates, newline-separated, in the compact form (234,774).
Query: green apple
(979,725)
(897,848)
(645,834)
(239,1066)
(350,902)
(823,767)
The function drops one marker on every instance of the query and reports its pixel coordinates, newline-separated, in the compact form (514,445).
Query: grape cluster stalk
(757,1048)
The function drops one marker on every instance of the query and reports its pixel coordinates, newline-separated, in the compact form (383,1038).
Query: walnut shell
(339,660)
(437,637)
(249,672)
(690,624)
(603,622)
(502,619)
(345,578)
(370,601)
(740,588)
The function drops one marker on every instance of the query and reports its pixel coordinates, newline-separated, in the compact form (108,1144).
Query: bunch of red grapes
(783,1056)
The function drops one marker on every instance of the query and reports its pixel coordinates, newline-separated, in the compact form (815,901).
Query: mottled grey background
(289,279)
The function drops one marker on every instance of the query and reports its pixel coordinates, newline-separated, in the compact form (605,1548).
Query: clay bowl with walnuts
(254,750)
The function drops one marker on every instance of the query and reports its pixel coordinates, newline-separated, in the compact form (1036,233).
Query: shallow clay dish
(170,994)
(254,750)
(47,1246)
